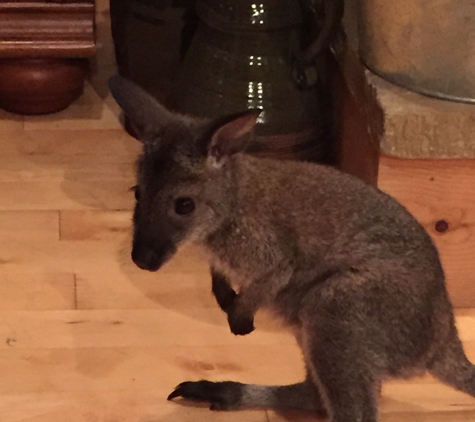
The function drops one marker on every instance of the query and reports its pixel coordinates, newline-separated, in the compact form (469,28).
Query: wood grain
(89,111)
(94,224)
(37,291)
(106,406)
(435,190)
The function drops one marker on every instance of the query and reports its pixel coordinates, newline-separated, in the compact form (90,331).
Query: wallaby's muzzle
(151,259)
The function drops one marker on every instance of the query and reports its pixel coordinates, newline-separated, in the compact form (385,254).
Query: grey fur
(346,266)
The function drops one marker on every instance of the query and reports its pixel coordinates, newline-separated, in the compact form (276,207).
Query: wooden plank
(436,416)
(100,225)
(90,108)
(59,169)
(42,226)
(436,190)
(36,291)
(396,416)
(56,156)
(10,122)
(126,328)
(107,406)
(182,289)
(421,397)
(136,369)
(139,328)
(74,144)
(17,255)
(181,284)
(66,194)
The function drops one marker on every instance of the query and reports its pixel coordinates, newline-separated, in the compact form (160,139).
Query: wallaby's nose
(145,258)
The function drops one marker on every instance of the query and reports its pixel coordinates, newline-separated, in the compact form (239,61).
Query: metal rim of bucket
(419,90)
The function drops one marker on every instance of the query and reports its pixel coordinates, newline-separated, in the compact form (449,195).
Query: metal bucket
(427,46)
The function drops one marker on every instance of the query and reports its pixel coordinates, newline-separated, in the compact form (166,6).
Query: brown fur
(346,266)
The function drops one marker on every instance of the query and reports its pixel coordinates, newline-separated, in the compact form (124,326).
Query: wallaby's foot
(220,395)
(230,395)
(222,290)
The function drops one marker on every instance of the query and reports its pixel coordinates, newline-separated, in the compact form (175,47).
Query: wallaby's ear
(233,135)
(148,116)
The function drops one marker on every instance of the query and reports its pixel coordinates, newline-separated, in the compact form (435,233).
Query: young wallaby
(355,276)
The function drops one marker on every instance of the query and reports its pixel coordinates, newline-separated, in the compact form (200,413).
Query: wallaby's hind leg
(230,395)
(350,395)
(451,366)
(342,369)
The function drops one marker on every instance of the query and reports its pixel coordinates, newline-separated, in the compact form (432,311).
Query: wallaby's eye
(184,205)
(136,192)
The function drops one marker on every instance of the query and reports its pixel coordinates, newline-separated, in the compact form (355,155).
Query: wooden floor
(85,335)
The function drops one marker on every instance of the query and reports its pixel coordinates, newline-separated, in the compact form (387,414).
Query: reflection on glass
(255,60)
(255,97)
(257,16)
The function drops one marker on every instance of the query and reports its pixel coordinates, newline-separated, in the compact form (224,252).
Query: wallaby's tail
(230,395)
(452,367)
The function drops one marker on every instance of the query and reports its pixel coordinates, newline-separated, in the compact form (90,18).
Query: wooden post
(418,149)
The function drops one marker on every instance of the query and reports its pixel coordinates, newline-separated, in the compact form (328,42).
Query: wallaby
(345,266)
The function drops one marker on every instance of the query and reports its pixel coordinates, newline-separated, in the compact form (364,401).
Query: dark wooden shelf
(44,46)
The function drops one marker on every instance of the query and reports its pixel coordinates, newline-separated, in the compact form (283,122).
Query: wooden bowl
(40,86)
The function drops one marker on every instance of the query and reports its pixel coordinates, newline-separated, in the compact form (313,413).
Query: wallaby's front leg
(239,322)
(240,317)
(222,290)
(251,298)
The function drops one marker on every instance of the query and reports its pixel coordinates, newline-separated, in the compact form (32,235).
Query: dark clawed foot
(220,395)
(241,326)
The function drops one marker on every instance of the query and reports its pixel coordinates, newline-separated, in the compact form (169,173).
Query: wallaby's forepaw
(224,395)
(223,292)
(240,325)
